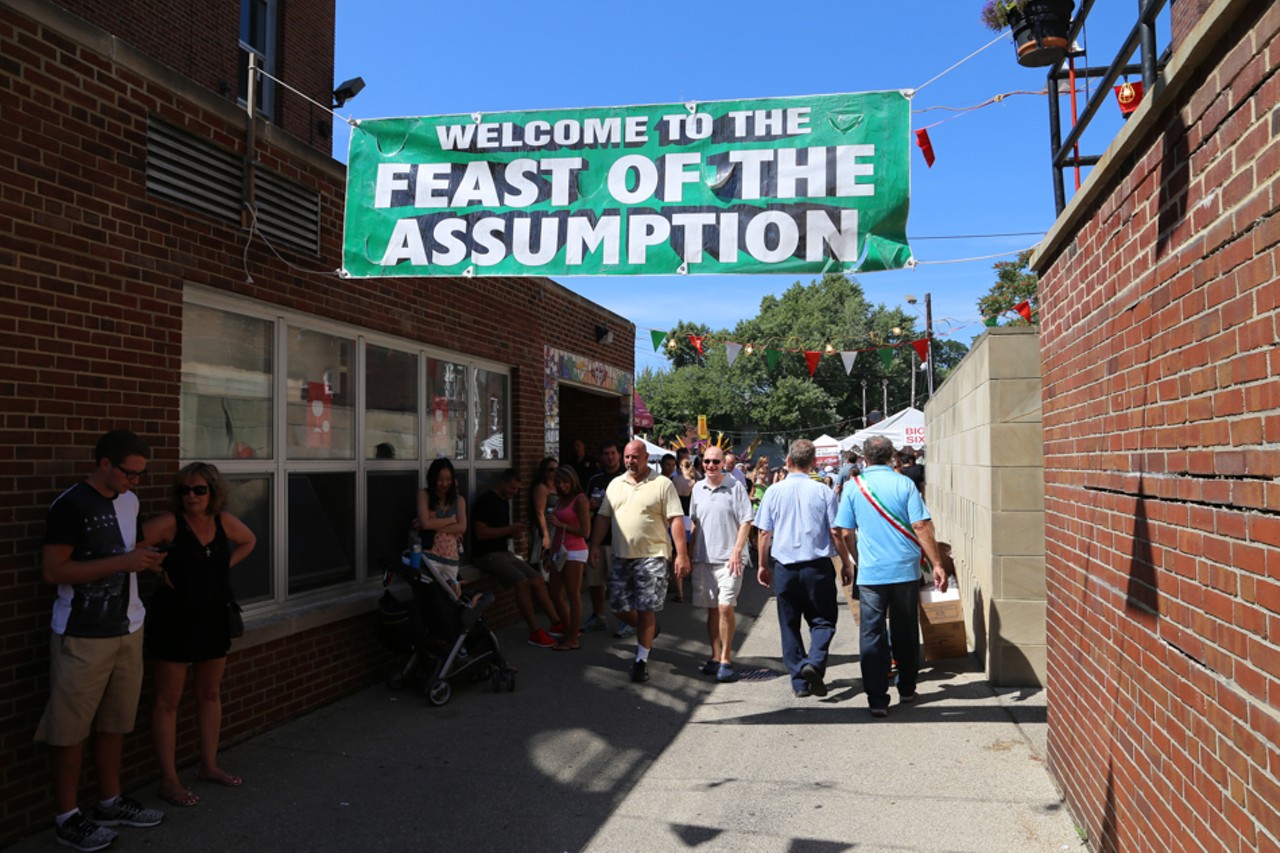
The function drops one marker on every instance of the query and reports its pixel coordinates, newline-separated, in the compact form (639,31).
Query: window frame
(279,466)
(266,57)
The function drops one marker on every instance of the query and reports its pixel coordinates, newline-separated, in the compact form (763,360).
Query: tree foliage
(1014,284)
(783,399)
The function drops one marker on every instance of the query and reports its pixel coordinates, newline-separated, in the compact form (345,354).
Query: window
(320,407)
(391,403)
(491,417)
(258,37)
(447,384)
(225,407)
(359,418)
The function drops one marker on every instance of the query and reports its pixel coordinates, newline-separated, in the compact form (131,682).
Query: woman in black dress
(187,619)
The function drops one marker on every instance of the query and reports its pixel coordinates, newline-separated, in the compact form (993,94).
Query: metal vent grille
(193,172)
(288,213)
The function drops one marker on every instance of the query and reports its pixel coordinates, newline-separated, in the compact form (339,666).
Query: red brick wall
(1160,317)
(92,271)
(200,40)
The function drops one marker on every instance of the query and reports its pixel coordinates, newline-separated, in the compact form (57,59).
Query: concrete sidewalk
(578,758)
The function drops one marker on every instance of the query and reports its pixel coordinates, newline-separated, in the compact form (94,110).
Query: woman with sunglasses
(187,619)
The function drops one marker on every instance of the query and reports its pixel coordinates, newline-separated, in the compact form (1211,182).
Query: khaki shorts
(714,585)
(599,573)
(94,684)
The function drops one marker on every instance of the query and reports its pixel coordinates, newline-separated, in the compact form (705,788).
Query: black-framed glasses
(199,491)
(712,461)
(132,475)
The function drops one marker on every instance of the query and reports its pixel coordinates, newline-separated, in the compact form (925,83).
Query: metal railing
(1065,154)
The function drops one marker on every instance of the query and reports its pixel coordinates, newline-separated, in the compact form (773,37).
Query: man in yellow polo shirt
(640,505)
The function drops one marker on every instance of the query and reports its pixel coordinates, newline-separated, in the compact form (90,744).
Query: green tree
(1014,284)
(751,395)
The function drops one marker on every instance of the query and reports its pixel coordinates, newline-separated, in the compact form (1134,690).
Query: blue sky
(992,173)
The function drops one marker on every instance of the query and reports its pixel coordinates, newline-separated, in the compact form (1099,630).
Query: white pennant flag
(732,350)
(847,358)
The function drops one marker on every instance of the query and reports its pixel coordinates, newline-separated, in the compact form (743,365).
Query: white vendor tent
(656,452)
(904,429)
(826,451)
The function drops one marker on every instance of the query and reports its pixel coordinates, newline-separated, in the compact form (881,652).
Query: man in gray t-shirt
(721,514)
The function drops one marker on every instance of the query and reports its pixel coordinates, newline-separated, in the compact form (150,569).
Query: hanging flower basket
(1040,28)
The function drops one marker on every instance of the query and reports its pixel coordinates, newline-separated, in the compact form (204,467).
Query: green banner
(778,185)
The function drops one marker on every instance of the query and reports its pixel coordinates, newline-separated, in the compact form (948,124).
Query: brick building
(137,291)
(1160,307)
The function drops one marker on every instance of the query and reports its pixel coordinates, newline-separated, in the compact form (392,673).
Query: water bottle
(415,558)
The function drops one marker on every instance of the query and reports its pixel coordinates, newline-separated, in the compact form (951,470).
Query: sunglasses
(712,461)
(132,475)
(199,491)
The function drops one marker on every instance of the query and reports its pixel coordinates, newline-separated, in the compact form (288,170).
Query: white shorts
(566,556)
(714,586)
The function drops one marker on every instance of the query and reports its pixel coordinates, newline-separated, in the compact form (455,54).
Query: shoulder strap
(894,522)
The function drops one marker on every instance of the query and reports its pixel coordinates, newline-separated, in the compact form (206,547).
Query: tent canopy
(656,452)
(826,451)
(905,429)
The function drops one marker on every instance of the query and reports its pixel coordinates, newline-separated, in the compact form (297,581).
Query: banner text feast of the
(781,185)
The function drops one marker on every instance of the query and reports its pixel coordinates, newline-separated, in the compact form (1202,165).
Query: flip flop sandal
(565,647)
(185,799)
(230,780)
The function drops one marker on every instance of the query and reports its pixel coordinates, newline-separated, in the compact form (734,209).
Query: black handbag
(235,622)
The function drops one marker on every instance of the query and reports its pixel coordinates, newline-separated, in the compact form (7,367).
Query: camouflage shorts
(638,584)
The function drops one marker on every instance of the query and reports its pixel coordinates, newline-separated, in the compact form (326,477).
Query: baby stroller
(442,640)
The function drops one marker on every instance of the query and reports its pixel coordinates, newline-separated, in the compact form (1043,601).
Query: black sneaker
(80,833)
(640,672)
(127,812)
(803,693)
(817,686)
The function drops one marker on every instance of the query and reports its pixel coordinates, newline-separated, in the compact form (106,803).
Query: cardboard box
(942,623)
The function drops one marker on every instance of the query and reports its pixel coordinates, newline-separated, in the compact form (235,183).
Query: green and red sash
(896,523)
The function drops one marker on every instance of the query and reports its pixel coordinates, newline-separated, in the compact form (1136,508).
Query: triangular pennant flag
(1024,310)
(886,357)
(847,358)
(657,338)
(811,358)
(926,146)
(771,357)
(922,348)
(731,350)
(697,340)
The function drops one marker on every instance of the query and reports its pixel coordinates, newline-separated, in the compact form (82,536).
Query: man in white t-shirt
(96,663)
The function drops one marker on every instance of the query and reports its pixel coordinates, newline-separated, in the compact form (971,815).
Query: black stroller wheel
(509,680)
(396,680)
(439,692)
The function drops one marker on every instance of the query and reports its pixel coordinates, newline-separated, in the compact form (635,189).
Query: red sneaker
(541,639)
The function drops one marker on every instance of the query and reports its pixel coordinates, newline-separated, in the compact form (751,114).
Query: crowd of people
(629,532)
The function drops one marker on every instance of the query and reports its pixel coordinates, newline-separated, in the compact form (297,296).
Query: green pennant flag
(991,321)
(886,357)
(657,337)
(771,357)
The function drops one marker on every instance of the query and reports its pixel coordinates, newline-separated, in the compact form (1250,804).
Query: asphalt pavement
(578,758)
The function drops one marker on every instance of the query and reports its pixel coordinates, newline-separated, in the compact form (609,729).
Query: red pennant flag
(1128,96)
(811,358)
(1024,309)
(926,147)
(922,348)
(697,340)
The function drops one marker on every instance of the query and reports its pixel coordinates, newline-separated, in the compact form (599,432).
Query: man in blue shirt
(884,519)
(796,541)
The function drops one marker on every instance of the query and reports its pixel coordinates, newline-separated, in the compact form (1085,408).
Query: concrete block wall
(986,493)
(1160,309)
